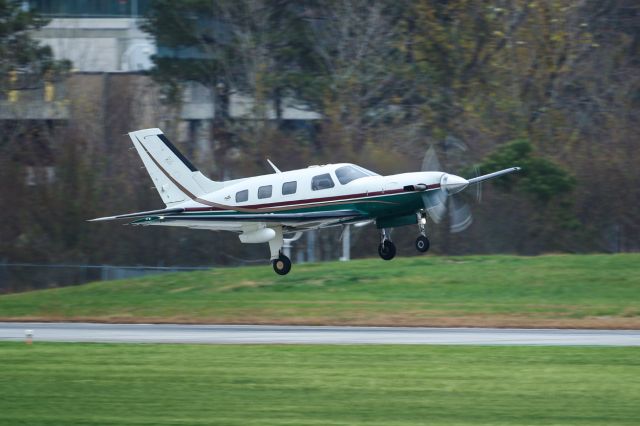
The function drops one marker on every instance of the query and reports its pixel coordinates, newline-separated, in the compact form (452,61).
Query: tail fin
(175,178)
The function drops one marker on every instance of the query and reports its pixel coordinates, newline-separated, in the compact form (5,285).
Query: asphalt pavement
(267,334)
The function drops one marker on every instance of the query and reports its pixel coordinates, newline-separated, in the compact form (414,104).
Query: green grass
(544,291)
(112,384)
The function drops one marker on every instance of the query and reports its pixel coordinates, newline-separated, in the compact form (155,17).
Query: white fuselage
(232,196)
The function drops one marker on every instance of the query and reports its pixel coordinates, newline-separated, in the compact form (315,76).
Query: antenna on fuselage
(273,166)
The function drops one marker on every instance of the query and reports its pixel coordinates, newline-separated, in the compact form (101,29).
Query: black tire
(387,250)
(282,265)
(422,244)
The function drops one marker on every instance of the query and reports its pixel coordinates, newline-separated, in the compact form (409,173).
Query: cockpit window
(346,174)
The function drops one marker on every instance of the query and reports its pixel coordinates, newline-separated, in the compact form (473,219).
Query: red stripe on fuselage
(304,203)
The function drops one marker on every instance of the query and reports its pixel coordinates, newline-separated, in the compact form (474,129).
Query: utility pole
(346,244)
(311,246)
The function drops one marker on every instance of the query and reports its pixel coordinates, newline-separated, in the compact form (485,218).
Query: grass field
(546,291)
(112,384)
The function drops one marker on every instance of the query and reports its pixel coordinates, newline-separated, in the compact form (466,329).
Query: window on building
(322,182)
(289,188)
(242,196)
(264,191)
(347,174)
(90,8)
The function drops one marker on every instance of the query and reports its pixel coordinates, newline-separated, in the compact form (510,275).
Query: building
(111,57)
(96,36)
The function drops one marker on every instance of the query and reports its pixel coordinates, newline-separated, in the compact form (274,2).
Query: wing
(235,221)
(493,175)
(139,214)
(282,218)
(261,217)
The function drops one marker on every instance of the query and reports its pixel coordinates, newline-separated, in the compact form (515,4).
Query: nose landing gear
(422,242)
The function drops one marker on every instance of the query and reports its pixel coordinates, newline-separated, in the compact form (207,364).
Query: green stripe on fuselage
(372,207)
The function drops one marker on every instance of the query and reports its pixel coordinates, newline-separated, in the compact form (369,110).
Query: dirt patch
(180,289)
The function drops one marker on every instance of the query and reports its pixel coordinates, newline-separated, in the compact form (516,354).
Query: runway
(266,334)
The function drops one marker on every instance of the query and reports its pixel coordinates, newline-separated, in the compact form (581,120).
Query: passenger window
(242,196)
(264,191)
(322,182)
(289,188)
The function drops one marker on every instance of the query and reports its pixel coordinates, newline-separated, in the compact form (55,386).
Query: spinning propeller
(441,201)
(445,200)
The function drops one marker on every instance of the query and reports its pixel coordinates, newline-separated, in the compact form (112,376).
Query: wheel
(282,265)
(387,250)
(422,244)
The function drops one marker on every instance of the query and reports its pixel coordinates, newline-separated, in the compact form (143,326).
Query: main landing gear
(386,249)
(282,265)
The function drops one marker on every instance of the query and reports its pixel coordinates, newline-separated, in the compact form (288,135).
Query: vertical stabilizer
(173,175)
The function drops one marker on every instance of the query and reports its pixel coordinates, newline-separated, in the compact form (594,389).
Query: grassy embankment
(112,384)
(545,291)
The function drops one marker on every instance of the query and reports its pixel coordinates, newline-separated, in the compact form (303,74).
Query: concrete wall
(99,44)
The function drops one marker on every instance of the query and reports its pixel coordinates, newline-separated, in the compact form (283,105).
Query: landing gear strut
(282,265)
(386,249)
(422,242)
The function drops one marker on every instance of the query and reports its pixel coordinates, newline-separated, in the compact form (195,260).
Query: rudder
(174,176)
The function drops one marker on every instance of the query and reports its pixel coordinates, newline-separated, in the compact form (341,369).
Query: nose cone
(453,183)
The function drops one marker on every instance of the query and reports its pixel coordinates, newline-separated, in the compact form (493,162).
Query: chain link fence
(19,277)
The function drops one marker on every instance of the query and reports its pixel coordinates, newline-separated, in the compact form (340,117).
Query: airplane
(262,209)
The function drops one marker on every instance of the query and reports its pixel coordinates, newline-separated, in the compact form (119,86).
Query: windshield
(346,174)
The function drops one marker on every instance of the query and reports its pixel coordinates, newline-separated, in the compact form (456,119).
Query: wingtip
(101,219)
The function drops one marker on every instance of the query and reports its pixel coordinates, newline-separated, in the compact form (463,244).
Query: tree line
(551,86)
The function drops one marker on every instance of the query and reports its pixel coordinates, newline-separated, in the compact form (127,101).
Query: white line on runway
(265,334)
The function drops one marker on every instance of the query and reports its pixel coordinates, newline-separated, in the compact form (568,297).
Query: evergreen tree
(24,62)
